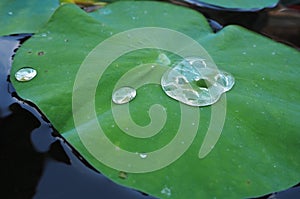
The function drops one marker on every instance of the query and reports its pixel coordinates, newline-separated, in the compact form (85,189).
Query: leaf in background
(20,16)
(241,5)
(258,151)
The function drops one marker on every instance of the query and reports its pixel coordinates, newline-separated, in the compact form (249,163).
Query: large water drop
(193,83)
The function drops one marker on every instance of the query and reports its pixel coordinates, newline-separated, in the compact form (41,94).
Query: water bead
(193,83)
(25,74)
(123,95)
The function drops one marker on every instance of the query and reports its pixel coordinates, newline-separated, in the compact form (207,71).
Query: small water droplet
(111,33)
(163,59)
(10,13)
(123,95)
(263,78)
(143,155)
(193,83)
(145,11)
(122,175)
(273,53)
(244,53)
(133,18)
(41,53)
(166,191)
(25,74)
(44,34)
(254,45)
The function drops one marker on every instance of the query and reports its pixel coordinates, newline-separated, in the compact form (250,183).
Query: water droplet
(244,53)
(273,53)
(10,13)
(254,45)
(25,74)
(133,18)
(166,191)
(193,83)
(145,11)
(122,175)
(163,59)
(41,53)
(143,155)
(123,95)
(44,34)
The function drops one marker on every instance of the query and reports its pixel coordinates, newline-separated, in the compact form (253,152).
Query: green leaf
(20,16)
(238,5)
(257,152)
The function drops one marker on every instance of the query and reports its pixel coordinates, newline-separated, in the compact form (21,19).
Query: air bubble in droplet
(10,13)
(193,83)
(143,155)
(25,74)
(123,95)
